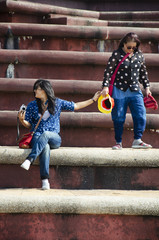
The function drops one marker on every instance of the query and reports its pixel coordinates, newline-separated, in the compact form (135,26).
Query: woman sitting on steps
(47,135)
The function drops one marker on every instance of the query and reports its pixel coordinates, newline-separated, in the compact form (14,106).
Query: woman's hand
(147,91)
(21,116)
(105,91)
(96,96)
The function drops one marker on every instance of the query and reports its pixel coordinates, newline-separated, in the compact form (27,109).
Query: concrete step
(76,126)
(21,91)
(142,203)
(58,64)
(43,9)
(84,168)
(74,20)
(15,91)
(59,212)
(130,15)
(76,38)
(152,24)
(69,20)
(122,5)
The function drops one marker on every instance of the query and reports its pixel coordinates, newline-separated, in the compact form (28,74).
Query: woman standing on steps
(47,135)
(126,90)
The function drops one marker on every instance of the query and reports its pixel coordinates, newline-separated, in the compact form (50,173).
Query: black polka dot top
(131,72)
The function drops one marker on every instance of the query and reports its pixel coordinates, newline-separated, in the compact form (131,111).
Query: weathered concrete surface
(87,157)
(83,120)
(81,177)
(77,226)
(80,202)
(56,64)
(37,8)
(21,91)
(130,15)
(69,20)
(76,136)
(23,29)
(148,24)
(63,57)
(71,86)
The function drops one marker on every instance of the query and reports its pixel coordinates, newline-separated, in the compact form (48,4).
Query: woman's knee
(45,152)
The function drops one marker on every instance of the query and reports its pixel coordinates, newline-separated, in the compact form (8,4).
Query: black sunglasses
(129,47)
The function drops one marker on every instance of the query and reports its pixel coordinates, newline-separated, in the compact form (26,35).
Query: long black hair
(130,37)
(46,86)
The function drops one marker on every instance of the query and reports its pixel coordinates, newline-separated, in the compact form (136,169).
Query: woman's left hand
(97,95)
(147,91)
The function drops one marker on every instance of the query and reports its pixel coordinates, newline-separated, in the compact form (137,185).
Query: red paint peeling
(77,227)
(147,178)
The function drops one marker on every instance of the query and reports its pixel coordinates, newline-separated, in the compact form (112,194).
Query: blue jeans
(41,146)
(138,111)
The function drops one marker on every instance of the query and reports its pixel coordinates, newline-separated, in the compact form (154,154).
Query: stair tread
(80,201)
(71,86)
(87,156)
(97,32)
(84,120)
(43,9)
(64,57)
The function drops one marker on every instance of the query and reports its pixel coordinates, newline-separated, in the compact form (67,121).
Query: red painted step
(130,15)
(76,126)
(83,168)
(43,9)
(76,38)
(59,64)
(20,91)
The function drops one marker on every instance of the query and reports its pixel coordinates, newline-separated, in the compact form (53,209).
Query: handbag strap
(115,72)
(37,125)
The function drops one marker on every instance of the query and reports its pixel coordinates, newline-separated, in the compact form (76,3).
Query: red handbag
(25,140)
(150,102)
(114,75)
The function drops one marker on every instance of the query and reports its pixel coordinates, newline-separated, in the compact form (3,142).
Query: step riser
(13,101)
(20,18)
(21,91)
(65,226)
(55,19)
(133,16)
(76,137)
(65,177)
(58,71)
(70,44)
(153,24)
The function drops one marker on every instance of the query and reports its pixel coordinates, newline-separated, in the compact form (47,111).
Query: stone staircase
(70,47)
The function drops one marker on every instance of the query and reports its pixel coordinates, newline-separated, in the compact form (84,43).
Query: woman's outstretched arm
(80,105)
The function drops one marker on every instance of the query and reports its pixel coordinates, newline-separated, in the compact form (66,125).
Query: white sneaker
(117,146)
(26,164)
(45,184)
(141,145)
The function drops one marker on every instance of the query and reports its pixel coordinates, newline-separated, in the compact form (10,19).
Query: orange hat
(105,104)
